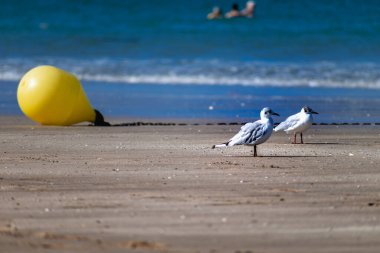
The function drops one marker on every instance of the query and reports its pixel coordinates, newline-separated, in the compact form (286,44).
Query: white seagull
(254,133)
(297,123)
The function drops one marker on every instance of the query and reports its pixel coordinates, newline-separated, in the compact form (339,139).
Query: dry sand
(163,189)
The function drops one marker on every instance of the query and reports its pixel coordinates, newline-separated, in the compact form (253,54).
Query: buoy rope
(141,123)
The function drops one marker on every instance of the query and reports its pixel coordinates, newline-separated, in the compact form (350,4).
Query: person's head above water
(234,12)
(216,9)
(249,9)
(216,13)
(250,4)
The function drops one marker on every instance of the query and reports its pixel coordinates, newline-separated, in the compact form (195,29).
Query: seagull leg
(254,151)
(294,139)
(301,139)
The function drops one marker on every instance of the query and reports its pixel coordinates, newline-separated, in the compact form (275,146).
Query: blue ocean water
(164,59)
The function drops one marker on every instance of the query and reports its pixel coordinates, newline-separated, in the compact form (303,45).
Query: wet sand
(163,189)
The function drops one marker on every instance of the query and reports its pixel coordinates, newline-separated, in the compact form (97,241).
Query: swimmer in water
(234,12)
(215,14)
(249,9)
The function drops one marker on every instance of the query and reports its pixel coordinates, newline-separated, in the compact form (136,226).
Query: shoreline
(135,122)
(163,189)
(232,103)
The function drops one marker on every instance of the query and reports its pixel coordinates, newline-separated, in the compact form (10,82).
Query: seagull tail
(220,145)
(279,128)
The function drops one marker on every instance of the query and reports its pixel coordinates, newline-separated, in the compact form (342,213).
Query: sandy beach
(163,189)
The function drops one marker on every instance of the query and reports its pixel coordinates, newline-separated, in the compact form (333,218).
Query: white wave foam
(9,76)
(209,80)
(200,72)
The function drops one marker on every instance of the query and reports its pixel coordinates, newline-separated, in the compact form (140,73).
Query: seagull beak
(275,113)
(313,112)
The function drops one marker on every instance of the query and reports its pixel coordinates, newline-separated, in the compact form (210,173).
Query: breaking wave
(206,72)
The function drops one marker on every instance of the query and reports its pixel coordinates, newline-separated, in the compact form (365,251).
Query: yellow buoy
(52,96)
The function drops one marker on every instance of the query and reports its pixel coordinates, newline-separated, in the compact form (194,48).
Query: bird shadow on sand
(321,143)
(313,143)
(275,156)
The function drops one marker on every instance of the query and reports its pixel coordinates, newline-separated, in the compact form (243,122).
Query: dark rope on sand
(141,123)
(99,121)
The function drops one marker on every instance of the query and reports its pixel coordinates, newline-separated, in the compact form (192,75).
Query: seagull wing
(289,123)
(249,134)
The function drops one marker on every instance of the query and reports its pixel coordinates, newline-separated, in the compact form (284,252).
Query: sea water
(164,59)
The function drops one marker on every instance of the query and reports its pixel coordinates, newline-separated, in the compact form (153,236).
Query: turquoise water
(168,55)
